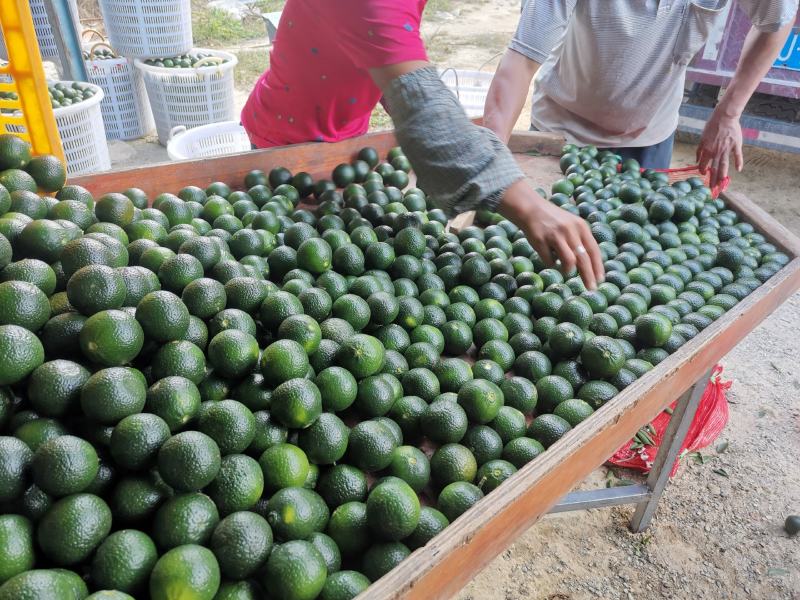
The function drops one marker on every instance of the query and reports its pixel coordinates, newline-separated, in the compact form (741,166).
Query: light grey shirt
(460,166)
(613,71)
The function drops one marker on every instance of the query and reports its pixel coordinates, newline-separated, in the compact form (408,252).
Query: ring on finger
(580,250)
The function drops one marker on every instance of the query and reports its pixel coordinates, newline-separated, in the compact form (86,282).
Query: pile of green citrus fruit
(226,393)
(99,54)
(69,93)
(184,61)
(8,97)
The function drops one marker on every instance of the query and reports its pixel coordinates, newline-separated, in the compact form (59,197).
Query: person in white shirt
(612,73)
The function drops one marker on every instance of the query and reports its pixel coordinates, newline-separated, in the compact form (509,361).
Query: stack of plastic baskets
(44,33)
(216,139)
(83,135)
(470,87)
(126,112)
(192,96)
(148,28)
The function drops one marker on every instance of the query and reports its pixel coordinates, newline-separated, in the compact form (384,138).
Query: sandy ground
(713,536)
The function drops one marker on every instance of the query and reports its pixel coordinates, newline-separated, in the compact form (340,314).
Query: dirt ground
(713,536)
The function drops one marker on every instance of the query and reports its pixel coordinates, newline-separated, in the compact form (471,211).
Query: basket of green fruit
(126,112)
(189,90)
(76,107)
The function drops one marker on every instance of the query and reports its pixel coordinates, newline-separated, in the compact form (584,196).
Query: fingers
(565,253)
(542,249)
(587,255)
(703,159)
(724,164)
(738,156)
(585,267)
(595,256)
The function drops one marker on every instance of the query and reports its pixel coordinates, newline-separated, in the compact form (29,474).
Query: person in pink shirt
(334,60)
(318,86)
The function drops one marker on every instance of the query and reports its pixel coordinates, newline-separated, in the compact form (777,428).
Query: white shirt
(613,71)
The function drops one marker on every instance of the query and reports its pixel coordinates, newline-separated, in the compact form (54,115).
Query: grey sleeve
(459,165)
(541,27)
(769,15)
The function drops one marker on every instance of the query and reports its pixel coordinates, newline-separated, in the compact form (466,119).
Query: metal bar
(657,480)
(67,39)
(603,497)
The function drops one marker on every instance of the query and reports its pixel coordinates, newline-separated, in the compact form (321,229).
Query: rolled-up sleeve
(770,15)
(460,166)
(541,27)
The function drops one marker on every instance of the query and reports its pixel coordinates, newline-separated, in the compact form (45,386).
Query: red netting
(682,173)
(709,421)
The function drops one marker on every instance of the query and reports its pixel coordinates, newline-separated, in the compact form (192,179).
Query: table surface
(451,559)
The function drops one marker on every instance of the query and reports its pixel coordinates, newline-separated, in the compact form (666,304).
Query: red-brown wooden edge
(452,559)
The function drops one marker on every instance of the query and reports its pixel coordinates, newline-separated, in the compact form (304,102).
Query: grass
(380,119)
(252,63)
(266,6)
(437,9)
(214,28)
(439,6)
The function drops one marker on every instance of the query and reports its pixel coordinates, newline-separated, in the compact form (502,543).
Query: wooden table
(451,559)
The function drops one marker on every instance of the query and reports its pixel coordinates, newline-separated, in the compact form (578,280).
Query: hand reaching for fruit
(554,232)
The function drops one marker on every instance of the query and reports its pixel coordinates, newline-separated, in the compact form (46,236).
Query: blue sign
(789,57)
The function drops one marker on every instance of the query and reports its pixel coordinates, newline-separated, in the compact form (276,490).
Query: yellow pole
(24,75)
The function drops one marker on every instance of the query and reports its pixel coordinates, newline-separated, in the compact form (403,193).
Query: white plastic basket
(216,139)
(192,96)
(83,135)
(470,87)
(44,33)
(126,112)
(148,28)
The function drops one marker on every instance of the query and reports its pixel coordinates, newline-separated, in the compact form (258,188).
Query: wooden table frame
(450,560)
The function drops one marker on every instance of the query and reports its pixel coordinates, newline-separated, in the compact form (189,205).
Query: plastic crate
(44,32)
(83,134)
(470,87)
(148,28)
(217,139)
(126,112)
(25,110)
(190,97)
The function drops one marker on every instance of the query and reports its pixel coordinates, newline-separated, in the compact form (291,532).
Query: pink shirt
(317,87)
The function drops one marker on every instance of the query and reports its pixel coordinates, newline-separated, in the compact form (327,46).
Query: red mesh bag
(694,171)
(682,173)
(709,421)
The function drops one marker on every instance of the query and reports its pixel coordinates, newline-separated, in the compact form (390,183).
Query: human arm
(541,27)
(464,167)
(722,134)
(508,92)
(461,166)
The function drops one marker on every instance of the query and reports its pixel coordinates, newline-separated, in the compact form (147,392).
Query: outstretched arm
(507,93)
(541,28)
(465,167)
(460,165)
(722,134)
